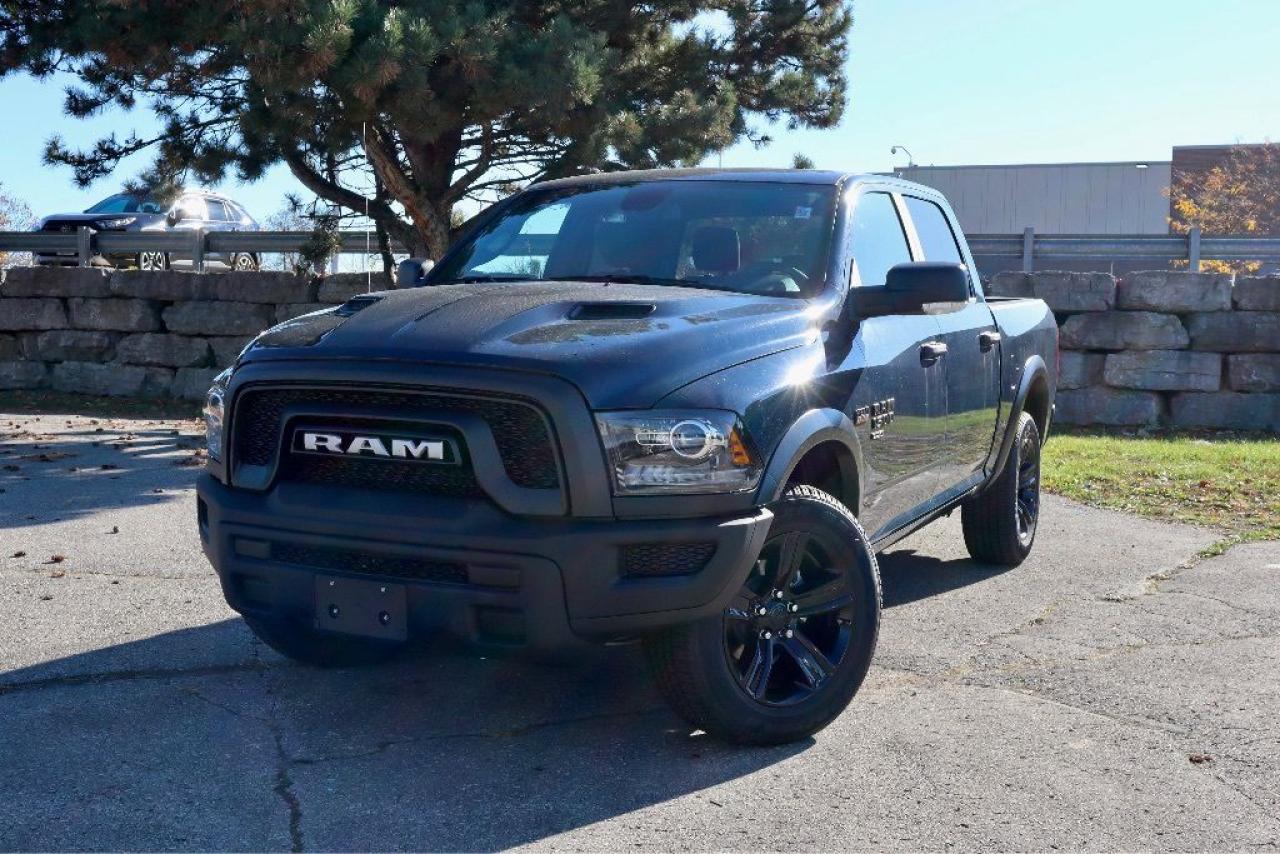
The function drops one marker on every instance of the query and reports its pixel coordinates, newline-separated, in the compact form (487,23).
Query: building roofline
(1134,163)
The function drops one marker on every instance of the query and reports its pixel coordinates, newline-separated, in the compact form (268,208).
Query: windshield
(761,238)
(124,203)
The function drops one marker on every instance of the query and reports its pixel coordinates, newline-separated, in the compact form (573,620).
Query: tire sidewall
(783,723)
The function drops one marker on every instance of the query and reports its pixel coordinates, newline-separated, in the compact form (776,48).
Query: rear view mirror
(922,287)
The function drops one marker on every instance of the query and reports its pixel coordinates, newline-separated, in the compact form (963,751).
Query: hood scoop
(355,304)
(612,310)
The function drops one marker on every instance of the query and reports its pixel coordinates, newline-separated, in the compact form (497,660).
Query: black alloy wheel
(789,628)
(791,648)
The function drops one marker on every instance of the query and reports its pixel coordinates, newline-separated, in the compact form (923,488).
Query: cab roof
(780,176)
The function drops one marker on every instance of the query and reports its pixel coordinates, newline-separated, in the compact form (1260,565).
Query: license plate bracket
(371,609)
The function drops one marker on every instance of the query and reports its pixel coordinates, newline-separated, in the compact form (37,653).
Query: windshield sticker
(803,213)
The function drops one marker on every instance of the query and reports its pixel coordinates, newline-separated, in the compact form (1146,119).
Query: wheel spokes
(813,664)
(790,557)
(760,669)
(824,599)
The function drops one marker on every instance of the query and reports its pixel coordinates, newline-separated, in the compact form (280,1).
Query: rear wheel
(244,261)
(1000,523)
(792,648)
(153,261)
(306,645)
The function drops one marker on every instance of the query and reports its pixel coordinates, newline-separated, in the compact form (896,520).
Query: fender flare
(807,432)
(1032,369)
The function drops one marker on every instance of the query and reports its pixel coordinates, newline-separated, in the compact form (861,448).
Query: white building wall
(1054,198)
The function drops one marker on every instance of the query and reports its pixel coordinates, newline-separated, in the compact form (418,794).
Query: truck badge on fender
(879,414)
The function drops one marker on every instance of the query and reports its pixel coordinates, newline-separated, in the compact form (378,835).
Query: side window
(218,211)
(877,239)
(192,207)
(936,238)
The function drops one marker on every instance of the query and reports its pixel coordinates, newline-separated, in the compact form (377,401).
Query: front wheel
(793,646)
(244,261)
(1000,523)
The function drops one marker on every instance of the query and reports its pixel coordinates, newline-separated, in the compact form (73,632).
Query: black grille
(647,560)
(449,481)
(391,566)
(519,430)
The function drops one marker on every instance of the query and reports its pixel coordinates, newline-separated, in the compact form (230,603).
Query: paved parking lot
(1110,693)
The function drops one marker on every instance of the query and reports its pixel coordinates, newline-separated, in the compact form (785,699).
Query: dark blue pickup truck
(685,408)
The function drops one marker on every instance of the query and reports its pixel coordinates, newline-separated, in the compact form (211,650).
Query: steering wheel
(770,277)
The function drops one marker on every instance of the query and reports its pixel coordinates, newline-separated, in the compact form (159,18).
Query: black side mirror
(174,216)
(922,287)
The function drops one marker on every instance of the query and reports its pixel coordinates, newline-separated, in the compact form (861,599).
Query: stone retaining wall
(1158,348)
(144,334)
(1197,350)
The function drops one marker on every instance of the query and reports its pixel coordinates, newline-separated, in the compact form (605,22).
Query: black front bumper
(471,570)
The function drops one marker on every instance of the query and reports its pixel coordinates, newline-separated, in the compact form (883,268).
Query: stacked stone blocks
(1161,348)
(144,334)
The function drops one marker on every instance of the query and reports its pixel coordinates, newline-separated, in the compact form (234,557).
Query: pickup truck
(684,408)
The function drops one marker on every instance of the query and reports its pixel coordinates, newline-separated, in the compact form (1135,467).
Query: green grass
(1230,482)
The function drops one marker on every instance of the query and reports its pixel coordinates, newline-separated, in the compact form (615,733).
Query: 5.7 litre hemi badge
(384,446)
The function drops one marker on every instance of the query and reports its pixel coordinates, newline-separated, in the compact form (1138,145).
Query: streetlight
(910,160)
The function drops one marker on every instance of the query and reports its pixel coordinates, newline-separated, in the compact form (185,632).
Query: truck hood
(623,345)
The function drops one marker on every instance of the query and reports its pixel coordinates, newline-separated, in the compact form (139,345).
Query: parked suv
(126,212)
(680,407)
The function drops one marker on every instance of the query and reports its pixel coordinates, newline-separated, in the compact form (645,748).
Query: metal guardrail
(1028,246)
(190,245)
(1192,248)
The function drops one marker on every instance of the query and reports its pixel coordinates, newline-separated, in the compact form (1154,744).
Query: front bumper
(471,570)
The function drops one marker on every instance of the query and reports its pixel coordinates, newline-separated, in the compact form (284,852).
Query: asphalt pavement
(1114,692)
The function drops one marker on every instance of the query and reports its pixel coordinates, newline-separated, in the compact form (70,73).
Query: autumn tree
(446,100)
(15,215)
(1240,196)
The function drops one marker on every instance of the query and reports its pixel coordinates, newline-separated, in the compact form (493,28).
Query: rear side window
(936,237)
(877,240)
(218,211)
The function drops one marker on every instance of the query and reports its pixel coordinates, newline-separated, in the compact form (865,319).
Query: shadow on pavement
(199,738)
(907,576)
(76,473)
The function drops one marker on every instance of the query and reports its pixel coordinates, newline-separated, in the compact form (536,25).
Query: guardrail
(190,245)
(1192,248)
(1029,247)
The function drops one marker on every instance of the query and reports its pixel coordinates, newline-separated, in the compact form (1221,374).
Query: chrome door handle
(931,352)
(988,340)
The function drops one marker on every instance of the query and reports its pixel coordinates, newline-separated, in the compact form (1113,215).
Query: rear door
(898,406)
(972,362)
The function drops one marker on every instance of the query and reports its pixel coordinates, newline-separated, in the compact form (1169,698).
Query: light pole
(910,160)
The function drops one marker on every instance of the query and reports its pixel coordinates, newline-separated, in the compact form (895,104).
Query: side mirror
(922,287)
(174,216)
(412,272)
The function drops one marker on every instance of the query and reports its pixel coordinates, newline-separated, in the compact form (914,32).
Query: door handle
(987,340)
(931,352)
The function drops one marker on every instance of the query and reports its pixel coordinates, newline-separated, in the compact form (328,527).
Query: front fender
(807,432)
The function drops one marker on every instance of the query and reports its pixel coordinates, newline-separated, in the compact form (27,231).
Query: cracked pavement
(1111,693)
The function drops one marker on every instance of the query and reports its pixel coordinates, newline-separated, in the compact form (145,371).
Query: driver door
(898,406)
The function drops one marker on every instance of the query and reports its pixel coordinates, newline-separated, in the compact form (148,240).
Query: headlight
(214,408)
(677,452)
(118,222)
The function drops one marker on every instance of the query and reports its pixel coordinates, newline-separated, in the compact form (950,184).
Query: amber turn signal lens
(738,450)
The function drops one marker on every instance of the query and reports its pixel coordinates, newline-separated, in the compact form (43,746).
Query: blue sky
(984,81)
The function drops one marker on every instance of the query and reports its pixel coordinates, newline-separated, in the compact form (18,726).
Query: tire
(725,676)
(153,261)
(244,261)
(1000,523)
(305,645)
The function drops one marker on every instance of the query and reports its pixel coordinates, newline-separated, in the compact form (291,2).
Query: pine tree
(446,99)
